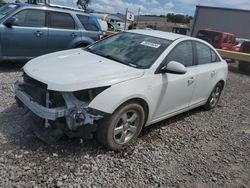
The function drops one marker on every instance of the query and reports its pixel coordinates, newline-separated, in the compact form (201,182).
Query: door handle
(38,33)
(213,73)
(73,34)
(191,80)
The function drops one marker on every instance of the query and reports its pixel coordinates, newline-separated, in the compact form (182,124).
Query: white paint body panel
(165,94)
(74,70)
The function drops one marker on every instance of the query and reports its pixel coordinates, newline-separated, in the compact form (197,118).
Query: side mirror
(174,68)
(10,22)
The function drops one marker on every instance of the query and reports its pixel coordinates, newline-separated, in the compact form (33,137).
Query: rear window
(205,54)
(229,39)
(88,22)
(61,20)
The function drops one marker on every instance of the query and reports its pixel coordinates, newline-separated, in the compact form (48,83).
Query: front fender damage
(78,112)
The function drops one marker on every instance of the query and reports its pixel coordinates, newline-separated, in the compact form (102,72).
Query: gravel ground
(196,149)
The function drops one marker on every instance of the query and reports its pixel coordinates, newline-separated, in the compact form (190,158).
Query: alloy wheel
(126,127)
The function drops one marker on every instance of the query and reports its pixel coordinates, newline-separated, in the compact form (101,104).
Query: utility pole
(138,17)
(125,25)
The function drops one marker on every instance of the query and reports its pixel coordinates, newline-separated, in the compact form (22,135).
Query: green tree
(179,18)
(83,4)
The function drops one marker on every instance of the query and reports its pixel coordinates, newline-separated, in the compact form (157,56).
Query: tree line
(179,18)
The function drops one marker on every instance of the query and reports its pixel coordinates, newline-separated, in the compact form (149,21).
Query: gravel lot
(196,149)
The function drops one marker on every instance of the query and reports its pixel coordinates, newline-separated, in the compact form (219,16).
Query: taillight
(100,37)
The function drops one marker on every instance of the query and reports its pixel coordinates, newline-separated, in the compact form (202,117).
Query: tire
(122,127)
(214,97)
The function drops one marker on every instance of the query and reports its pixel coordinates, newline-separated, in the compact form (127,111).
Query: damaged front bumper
(76,112)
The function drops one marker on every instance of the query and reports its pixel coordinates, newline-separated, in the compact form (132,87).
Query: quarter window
(88,22)
(61,20)
(182,53)
(30,18)
(225,39)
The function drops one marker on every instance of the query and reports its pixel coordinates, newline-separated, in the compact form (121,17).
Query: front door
(176,90)
(27,38)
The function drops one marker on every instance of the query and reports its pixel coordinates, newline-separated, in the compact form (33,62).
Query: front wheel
(214,97)
(122,127)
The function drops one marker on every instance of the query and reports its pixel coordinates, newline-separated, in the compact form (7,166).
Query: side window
(88,22)
(61,20)
(205,54)
(230,40)
(214,56)
(225,38)
(30,18)
(234,40)
(182,53)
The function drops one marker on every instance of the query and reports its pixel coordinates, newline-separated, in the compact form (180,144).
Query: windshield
(7,9)
(139,51)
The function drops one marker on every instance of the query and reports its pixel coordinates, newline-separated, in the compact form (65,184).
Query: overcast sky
(160,6)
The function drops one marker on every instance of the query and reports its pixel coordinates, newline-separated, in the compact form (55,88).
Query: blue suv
(28,31)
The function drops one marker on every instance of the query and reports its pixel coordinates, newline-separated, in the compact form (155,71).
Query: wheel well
(143,103)
(81,45)
(223,83)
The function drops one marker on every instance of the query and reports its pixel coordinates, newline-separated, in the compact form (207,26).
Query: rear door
(63,31)
(27,37)
(206,71)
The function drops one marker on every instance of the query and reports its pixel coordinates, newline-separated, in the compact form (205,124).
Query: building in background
(158,23)
(222,19)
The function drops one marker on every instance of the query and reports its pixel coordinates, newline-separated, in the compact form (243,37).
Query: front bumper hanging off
(39,110)
(75,111)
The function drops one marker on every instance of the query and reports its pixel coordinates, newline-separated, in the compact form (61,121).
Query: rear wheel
(214,97)
(122,127)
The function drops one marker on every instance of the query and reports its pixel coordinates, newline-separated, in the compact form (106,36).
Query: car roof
(51,7)
(211,30)
(159,34)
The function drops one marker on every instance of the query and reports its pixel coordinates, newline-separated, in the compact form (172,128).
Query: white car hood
(74,70)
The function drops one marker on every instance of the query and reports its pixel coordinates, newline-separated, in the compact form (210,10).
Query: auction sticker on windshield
(150,44)
(12,6)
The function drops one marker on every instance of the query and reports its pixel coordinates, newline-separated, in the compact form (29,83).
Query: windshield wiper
(120,61)
(114,59)
(136,66)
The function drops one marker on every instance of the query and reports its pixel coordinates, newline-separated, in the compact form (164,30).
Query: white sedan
(115,87)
